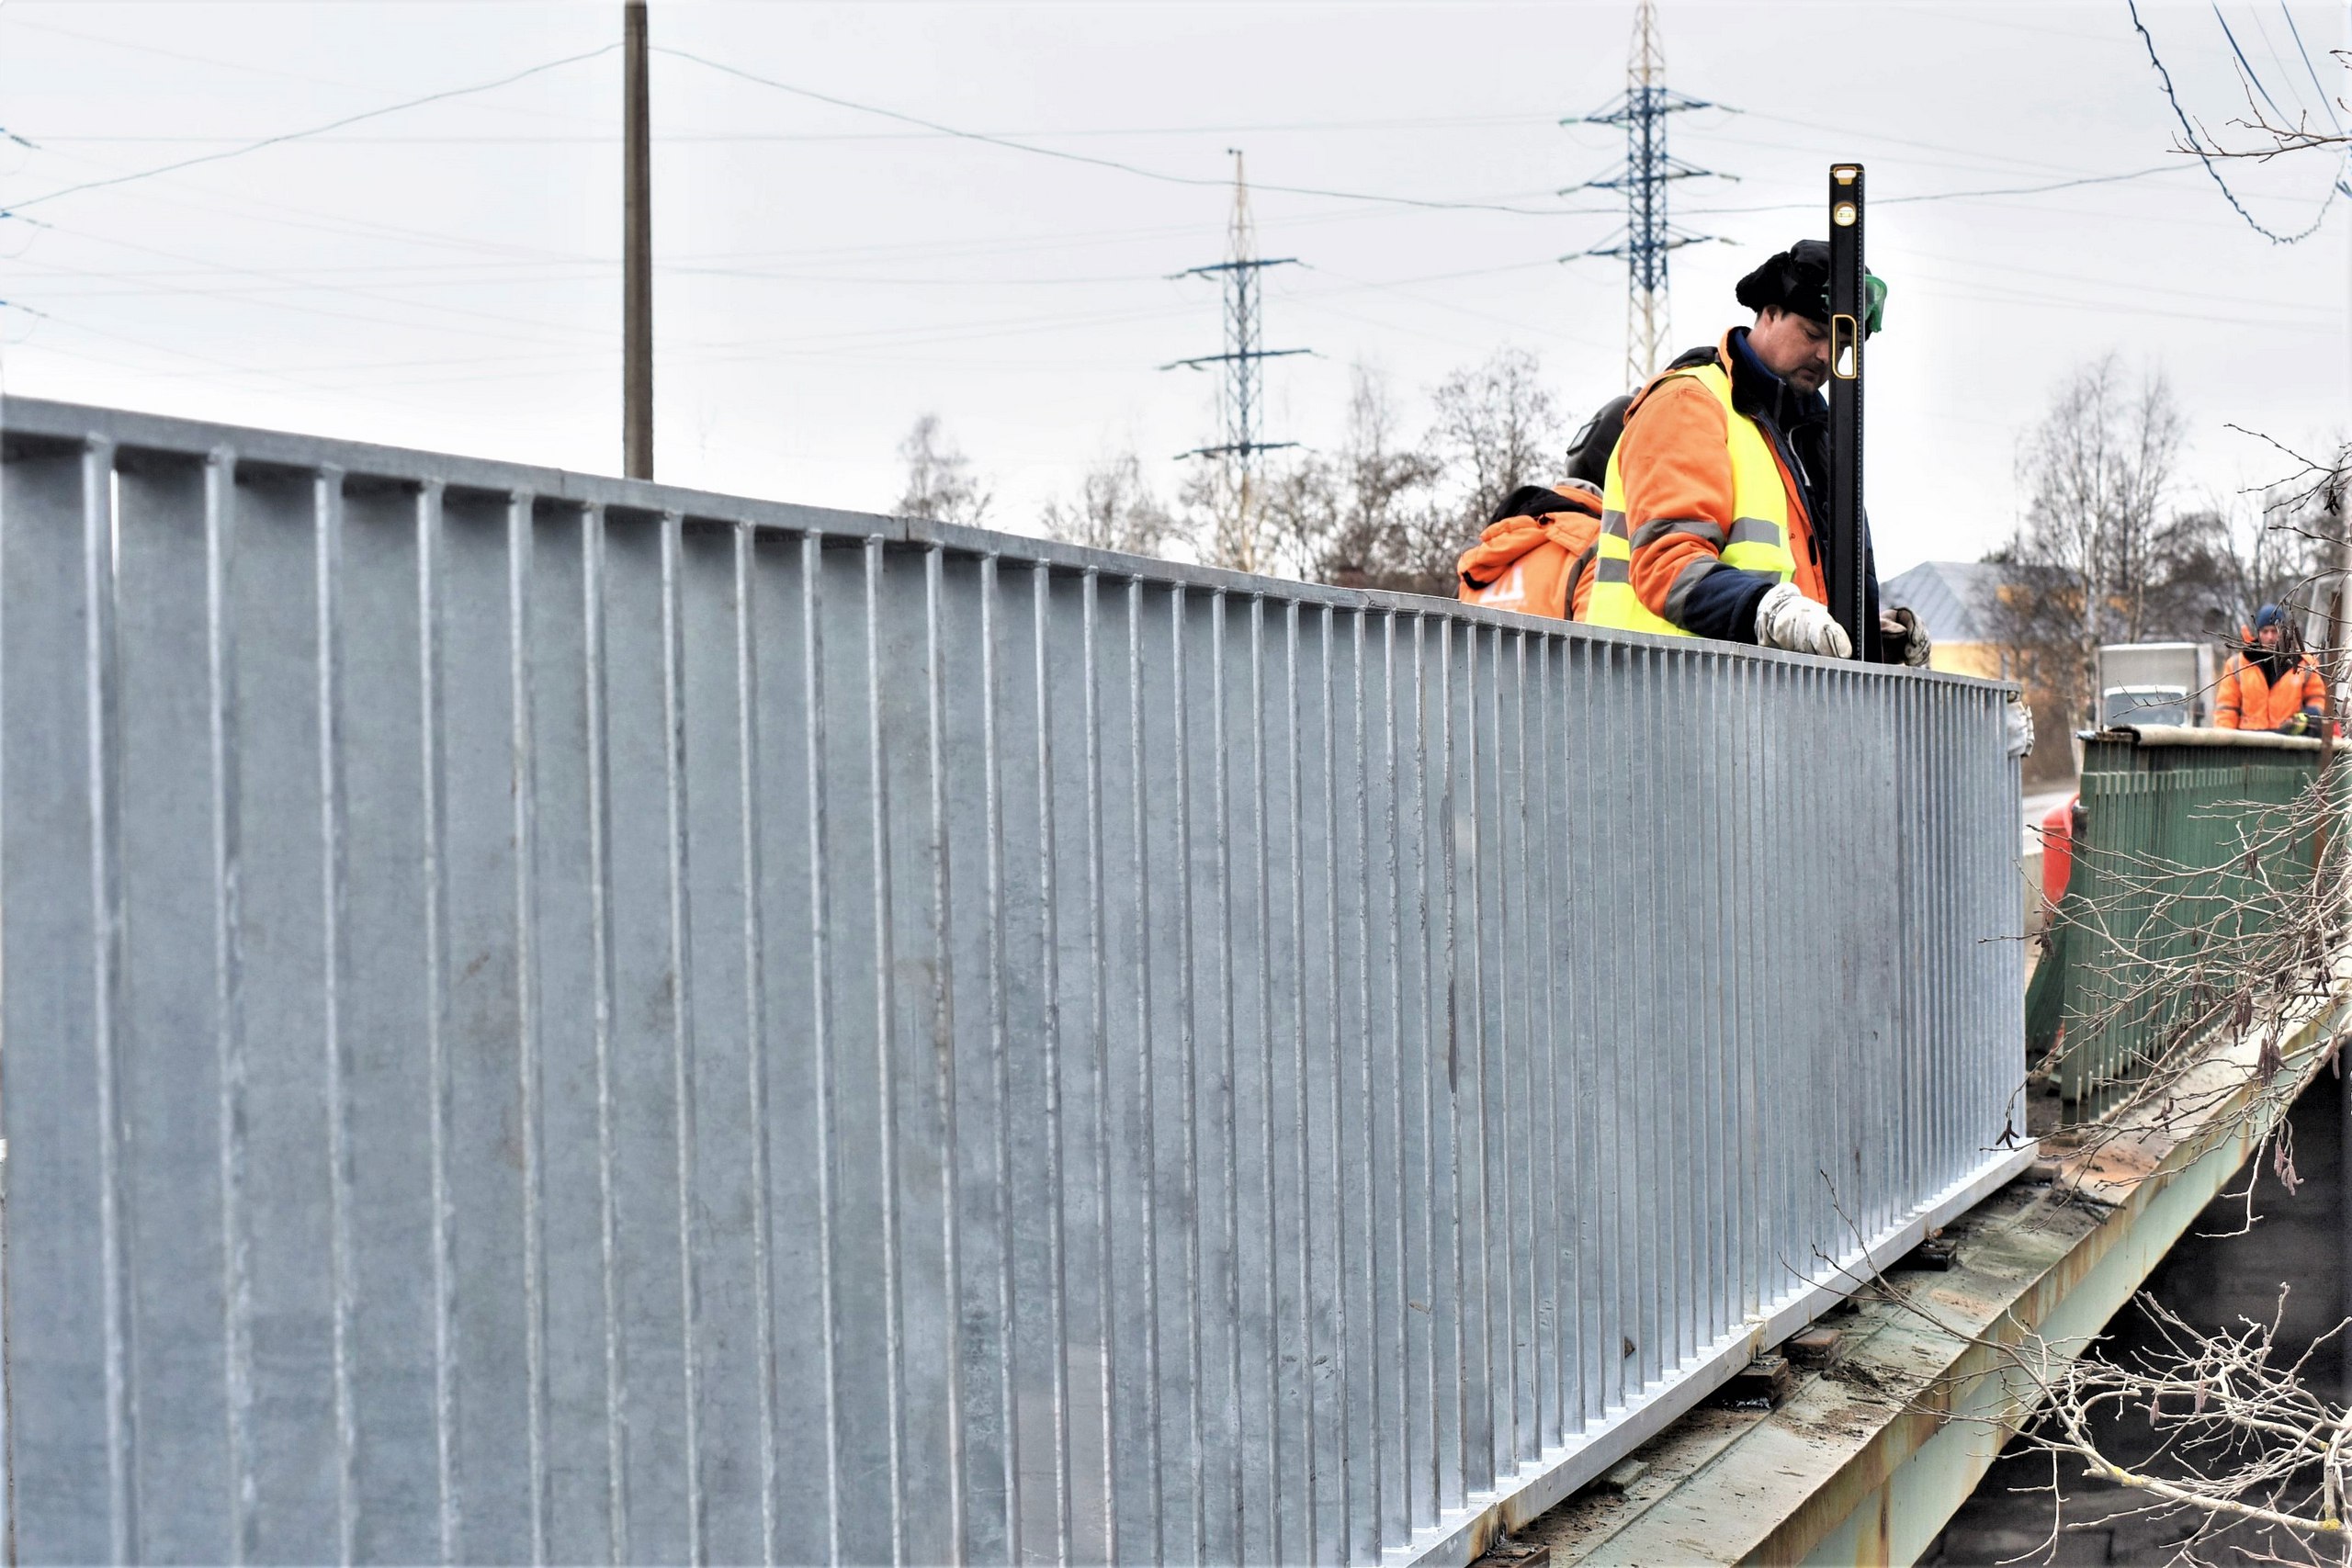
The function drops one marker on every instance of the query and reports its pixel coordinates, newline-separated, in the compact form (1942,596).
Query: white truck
(2156,682)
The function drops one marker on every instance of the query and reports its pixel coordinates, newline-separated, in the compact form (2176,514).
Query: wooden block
(1768,1380)
(1817,1346)
(1935,1253)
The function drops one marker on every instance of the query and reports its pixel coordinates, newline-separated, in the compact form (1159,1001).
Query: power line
(1162,176)
(2254,78)
(2196,145)
(2310,70)
(1955,195)
(677,138)
(314,130)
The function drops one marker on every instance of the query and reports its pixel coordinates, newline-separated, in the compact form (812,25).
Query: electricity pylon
(1649,238)
(1241,394)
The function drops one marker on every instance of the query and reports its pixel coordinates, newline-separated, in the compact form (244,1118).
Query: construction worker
(1716,494)
(1536,553)
(2267,686)
(1535,557)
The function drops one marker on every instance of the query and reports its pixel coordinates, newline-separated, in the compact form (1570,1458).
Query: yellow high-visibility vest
(1758,540)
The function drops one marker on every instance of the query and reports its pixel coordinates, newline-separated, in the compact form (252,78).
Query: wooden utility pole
(637,246)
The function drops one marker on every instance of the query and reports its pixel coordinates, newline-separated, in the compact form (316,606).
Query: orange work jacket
(1679,500)
(2247,701)
(1539,566)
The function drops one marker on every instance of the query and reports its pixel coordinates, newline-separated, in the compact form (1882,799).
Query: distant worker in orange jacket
(2267,687)
(1716,498)
(1537,551)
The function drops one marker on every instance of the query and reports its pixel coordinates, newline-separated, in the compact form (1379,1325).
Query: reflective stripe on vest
(1758,540)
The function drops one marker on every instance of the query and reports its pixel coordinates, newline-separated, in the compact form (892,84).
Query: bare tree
(2096,472)
(1225,510)
(939,482)
(2219,563)
(1497,429)
(1115,510)
(1365,515)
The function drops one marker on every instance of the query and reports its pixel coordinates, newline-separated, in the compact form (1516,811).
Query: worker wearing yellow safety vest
(1713,512)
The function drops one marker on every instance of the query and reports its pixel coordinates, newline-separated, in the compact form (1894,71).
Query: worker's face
(2268,636)
(1791,347)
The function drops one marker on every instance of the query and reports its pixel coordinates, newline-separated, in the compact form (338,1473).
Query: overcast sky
(447,275)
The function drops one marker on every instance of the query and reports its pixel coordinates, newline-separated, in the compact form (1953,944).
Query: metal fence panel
(2193,841)
(556,1019)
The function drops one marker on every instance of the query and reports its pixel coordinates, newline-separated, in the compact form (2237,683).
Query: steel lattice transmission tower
(1240,396)
(1649,238)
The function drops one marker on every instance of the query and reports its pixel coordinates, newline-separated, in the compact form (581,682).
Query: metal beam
(1867,1464)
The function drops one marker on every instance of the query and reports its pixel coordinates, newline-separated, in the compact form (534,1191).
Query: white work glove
(2020,727)
(1901,629)
(1786,618)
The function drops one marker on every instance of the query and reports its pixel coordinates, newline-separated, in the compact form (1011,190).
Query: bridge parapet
(553,1018)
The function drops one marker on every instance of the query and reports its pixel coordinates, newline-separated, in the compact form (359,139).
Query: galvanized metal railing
(2194,842)
(559,1018)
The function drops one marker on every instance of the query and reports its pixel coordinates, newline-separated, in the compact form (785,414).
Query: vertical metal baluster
(812,669)
(746,805)
(1000,1054)
(600,929)
(1139,868)
(1372,1428)
(1392,824)
(878,677)
(1274,1490)
(1220,751)
(228,955)
(756,1014)
(102,759)
(1301,1124)
(943,1024)
(1050,1034)
(436,979)
(524,793)
(1481,1159)
(1188,1064)
(1343,1402)
(1549,652)
(1447,830)
(681,1057)
(1090,616)
(1432,993)
(1520,1224)
(326,586)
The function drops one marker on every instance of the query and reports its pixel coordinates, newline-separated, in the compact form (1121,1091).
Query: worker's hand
(2020,719)
(1905,637)
(1786,618)
(2307,722)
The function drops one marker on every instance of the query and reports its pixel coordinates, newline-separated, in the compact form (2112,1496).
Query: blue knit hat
(2268,616)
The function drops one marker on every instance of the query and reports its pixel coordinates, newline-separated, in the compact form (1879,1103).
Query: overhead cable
(1162,176)
(2310,70)
(1956,194)
(2254,78)
(2196,145)
(2325,102)
(314,130)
